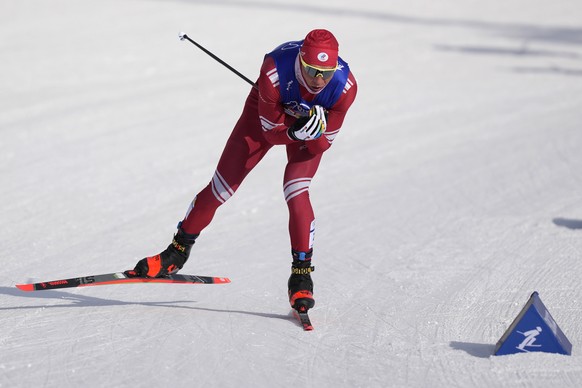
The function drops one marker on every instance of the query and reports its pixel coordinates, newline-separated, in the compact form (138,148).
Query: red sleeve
(271,113)
(335,117)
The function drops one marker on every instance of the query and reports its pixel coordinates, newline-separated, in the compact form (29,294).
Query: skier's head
(318,56)
(320,49)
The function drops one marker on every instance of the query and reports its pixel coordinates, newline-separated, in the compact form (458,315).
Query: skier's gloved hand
(171,260)
(309,128)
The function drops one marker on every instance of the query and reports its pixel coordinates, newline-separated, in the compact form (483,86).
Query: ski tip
(25,287)
(221,280)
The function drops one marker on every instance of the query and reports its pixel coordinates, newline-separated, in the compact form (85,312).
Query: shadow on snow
(474,349)
(91,301)
(568,223)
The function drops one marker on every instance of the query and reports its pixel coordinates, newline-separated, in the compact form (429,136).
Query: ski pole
(183,36)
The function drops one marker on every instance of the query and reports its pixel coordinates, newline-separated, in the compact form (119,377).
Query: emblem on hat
(322,56)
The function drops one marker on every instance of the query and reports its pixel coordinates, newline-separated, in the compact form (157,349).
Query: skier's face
(316,77)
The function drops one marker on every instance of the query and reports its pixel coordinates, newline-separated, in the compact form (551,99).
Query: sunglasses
(313,71)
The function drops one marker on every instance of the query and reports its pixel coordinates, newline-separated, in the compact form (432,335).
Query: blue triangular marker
(533,330)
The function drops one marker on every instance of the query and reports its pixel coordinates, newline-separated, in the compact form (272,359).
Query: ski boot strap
(179,247)
(182,241)
(302,256)
(301,262)
(301,270)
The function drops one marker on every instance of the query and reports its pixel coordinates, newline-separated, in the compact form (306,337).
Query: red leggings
(243,151)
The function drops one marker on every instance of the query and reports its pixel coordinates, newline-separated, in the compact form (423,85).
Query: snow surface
(451,194)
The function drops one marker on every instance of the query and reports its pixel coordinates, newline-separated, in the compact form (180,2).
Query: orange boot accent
(154,266)
(303,294)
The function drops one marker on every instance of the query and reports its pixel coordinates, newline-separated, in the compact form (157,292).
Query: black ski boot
(300,284)
(169,261)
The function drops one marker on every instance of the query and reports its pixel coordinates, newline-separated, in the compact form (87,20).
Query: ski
(304,319)
(120,278)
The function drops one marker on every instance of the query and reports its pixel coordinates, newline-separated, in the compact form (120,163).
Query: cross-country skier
(303,93)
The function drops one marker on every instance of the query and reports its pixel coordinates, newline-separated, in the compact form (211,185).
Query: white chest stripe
(348,86)
(274,77)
